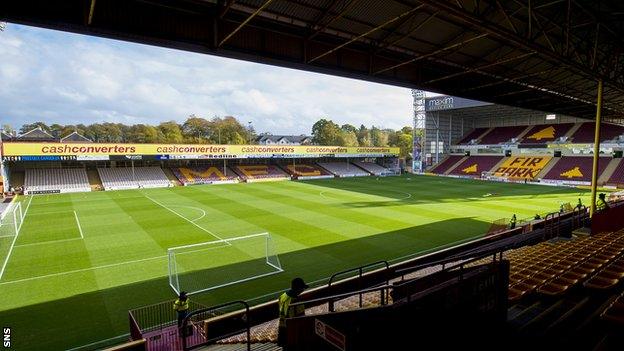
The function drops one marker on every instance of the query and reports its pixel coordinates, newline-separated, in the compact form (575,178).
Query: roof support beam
(390,21)
(506,36)
(91,13)
(480,68)
(240,26)
(315,26)
(226,8)
(418,58)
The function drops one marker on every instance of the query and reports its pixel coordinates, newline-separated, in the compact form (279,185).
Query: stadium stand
(546,133)
(445,165)
(372,168)
(306,171)
(64,180)
(133,178)
(552,269)
(343,169)
(522,167)
(617,177)
(501,134)
(250,173)
(474,165)
(575,168)
(474,134)
(585,133)
(204,175)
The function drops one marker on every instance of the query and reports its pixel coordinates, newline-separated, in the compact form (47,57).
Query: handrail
(360,268)
(360,271)
(246,318)
(341,296)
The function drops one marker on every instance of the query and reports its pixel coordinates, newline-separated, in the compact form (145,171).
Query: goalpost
(10,224)
(210,265)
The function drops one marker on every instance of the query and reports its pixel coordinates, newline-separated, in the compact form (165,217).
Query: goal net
(10,224)
(206,266)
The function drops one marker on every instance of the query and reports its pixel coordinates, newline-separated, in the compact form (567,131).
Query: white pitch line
(195,208)
(186,219)
(79,227)
(47,242)
(15,239)
(81,270)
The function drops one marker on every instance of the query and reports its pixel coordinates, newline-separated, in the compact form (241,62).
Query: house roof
(36,134)
(74,137)
(277,138)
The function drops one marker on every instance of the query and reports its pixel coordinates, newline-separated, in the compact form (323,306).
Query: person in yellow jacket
(601,204)
(297,286)
(181,306)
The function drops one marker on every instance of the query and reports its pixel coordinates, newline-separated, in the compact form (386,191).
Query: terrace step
(608,172)
(448,171)
(172,178)
(17,179)
(94,180)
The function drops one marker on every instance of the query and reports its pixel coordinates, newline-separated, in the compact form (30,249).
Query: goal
(10,224)
(214,264)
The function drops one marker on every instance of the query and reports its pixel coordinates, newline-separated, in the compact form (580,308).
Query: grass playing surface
(82,260)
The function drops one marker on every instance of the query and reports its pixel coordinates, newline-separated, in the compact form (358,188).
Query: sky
(64,78)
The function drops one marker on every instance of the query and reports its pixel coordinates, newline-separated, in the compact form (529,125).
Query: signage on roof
(187,151)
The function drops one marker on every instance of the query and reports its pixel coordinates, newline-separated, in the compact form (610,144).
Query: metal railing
(360,271)
(154,317)
(197,335)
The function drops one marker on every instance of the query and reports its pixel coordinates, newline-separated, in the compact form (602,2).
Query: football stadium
(499,228)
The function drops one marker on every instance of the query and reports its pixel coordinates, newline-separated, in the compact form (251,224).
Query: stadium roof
(538,54)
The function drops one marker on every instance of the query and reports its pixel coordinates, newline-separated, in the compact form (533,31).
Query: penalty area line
(181,216)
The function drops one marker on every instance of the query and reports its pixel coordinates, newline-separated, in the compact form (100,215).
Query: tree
(347,139)
(378,137)
(56,130)
(112,133)
(404,142)
(363,136)
(196,129)
(143,133)
(7,128)
(349,128)
(28,127)
(325,132)
(171,132)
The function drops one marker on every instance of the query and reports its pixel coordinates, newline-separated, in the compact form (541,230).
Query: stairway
(172,178)
(549,166)
(17,179)
(448,171)
(94,180)
(608,172)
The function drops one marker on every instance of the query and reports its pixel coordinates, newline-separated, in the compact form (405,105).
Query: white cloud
(68,78)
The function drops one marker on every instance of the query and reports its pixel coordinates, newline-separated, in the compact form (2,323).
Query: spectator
(181,306)
(297,286)
(579,206)
(537,216)
(601,204)
(512,222)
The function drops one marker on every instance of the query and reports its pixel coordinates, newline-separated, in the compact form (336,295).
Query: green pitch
(82,260)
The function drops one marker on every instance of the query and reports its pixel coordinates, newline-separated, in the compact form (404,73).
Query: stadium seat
(343,169)
(133,178)
(56,180)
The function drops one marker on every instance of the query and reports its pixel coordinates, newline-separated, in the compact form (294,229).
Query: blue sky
(65,78)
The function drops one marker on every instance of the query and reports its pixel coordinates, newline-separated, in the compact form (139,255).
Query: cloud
(67,78)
